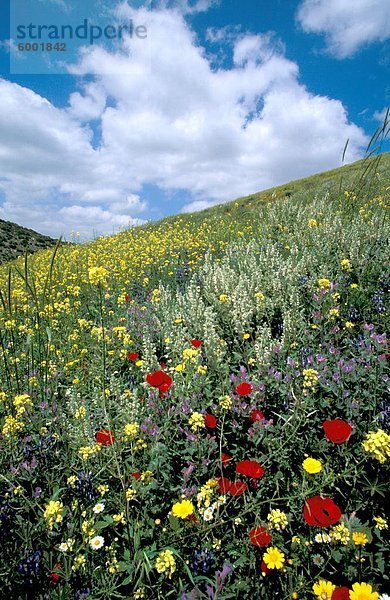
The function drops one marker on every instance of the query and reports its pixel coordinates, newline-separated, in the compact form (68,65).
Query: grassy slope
(15,240)
(348,177)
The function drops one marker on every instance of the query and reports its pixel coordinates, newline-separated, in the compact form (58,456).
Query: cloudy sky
(220,99)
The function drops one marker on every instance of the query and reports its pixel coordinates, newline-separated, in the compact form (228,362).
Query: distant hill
(15,240)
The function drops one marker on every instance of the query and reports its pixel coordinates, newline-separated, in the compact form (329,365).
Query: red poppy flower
(250,468)
(340,593)
(54,578)
(136,475)
(224,485)
(127,298)
(210,421)
(243,389)
(133,356)
(237,488)
(159,380)
(337,431)
(260,536)
(264,569)
(321,512)
(105,437)
(196,343)
(256,415)
(225,459)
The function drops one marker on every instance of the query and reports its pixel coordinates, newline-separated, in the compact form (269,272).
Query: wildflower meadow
(198,408)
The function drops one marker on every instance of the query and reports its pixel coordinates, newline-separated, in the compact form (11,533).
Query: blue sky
(222,99)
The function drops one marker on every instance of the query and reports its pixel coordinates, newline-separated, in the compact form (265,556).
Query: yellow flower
(312,223)
(363,591)
(312,465)
(274,558)
(377,443)
(180,367)
(223,298)
(98,275)
(131,431)
(183,509)
(277,519)
(323,589)
(225,403)
(359,538)
(340,533)
(346,264)
(196,421)
(246,336)
(53,513)
(349,325)
(12,426)
(165,563)
(381,523)
(324,284)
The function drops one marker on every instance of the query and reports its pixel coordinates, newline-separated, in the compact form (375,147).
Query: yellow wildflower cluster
(87,452)
(377,443)
(165,563)
(130,431)
(21,403)
(204,497)
(130,494)
(98,275)
(12,426)
(312,223)
(53,513)
(324,284)
(225,403)
(381,523)
(310,378)
(79,562)
(112,563)
(346,264)
(196,421)
(340,533)
(88,529)
(139,445)
(80,413)
(277,519)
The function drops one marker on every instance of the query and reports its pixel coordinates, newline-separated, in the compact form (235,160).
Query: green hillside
(15,240)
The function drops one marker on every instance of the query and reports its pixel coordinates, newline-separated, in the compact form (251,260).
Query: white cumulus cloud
(159,114)
(347,24)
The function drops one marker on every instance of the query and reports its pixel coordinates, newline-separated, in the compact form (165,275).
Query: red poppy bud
(210,421)
(127,298)
(337,431)
(105,437)
(133,356)
(243,389)
(263,568)
(196,343)
(54,578)
(136,475)
(225,459)
(250,468)
(256,415)
(237,488)
(260,536)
